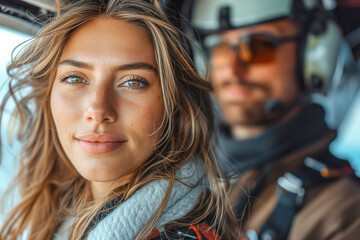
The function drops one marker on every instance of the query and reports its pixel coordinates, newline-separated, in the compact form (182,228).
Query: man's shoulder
(330,209)
(344,189)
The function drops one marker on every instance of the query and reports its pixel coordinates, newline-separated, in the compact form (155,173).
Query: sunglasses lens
(251,49)
(260,49)
(245,52)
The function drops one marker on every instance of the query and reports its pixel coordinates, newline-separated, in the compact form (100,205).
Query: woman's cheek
(66,111)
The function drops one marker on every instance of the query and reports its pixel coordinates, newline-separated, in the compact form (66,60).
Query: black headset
(318,48)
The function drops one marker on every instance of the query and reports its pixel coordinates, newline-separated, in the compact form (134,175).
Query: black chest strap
(291,190)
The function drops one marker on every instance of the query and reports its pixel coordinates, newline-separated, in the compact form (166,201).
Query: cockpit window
(347,143)
(9,39)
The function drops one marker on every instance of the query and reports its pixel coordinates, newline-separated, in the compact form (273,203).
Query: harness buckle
(292,184)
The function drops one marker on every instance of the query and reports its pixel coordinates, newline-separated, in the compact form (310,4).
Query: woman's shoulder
(200,231)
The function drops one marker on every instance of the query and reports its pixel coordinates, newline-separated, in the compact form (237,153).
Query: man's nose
(237,67)
(100,108)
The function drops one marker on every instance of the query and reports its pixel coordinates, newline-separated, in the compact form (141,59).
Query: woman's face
(106,100)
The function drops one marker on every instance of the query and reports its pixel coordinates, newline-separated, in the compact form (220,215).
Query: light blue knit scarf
(129,218)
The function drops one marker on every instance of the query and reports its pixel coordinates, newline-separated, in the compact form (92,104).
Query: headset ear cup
(321,50)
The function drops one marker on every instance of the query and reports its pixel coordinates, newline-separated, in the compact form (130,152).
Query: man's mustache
(242,83)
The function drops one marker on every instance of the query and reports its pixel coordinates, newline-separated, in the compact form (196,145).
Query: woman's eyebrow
(135,65)
(129,66)
(77,64)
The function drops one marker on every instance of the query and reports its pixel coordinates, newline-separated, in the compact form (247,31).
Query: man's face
(243,89)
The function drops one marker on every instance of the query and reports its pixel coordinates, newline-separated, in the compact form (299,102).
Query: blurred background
(16,27)
(9,39)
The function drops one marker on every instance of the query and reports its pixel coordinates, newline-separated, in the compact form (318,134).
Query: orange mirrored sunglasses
(257,48)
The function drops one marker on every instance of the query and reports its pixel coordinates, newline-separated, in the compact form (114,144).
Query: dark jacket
(330,209)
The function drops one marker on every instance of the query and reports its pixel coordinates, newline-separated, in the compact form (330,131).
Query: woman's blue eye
(73,80)
(135,83)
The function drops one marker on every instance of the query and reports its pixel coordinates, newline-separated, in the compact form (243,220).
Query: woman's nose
(100,108)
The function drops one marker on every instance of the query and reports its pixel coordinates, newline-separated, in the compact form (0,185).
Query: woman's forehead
(110,40)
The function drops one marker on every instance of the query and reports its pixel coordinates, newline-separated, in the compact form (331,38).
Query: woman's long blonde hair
(50,187)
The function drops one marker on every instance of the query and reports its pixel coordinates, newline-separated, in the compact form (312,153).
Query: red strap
(348,3)
(154,234)
(203,229)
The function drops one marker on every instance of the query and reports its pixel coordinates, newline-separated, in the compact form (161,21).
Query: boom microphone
(275,106)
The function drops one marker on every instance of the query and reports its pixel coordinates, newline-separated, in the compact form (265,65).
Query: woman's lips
(99,144)
(100,147)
